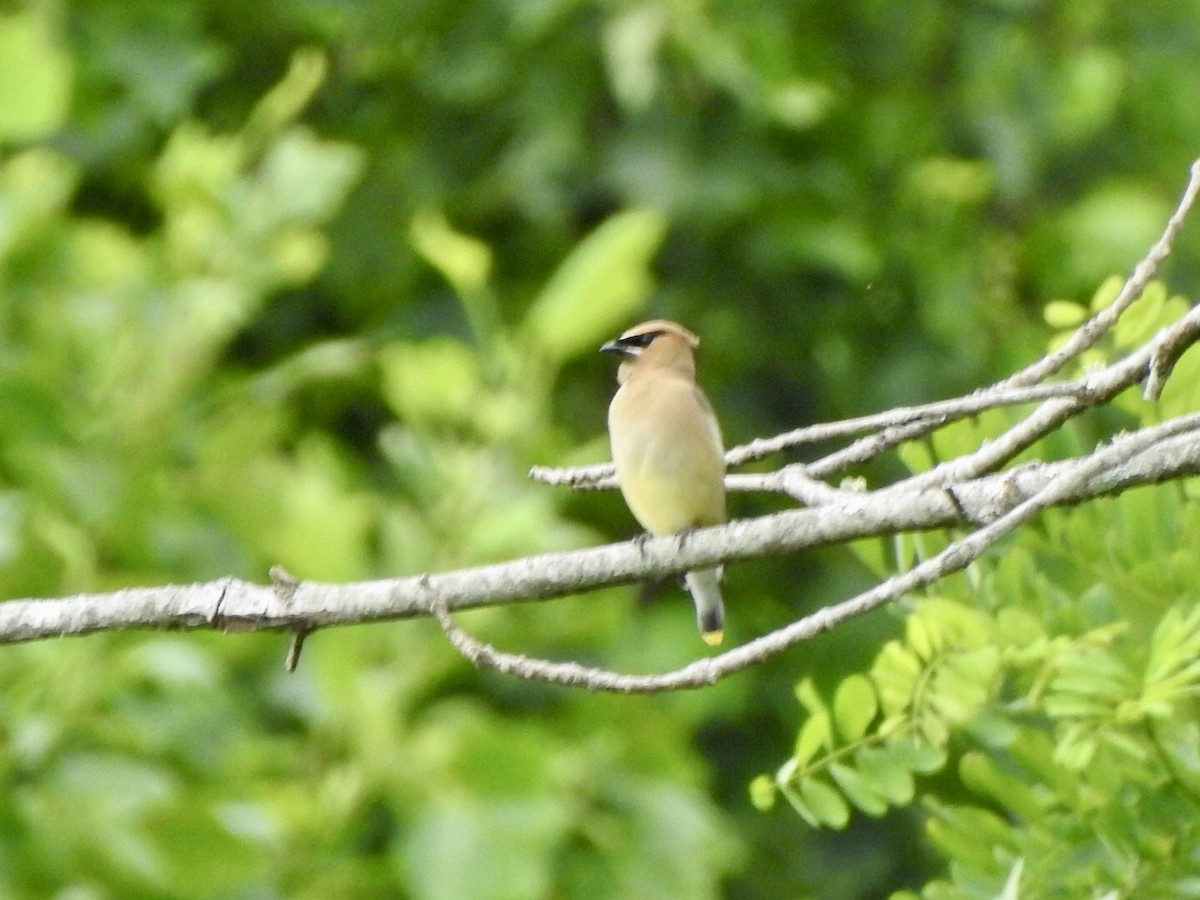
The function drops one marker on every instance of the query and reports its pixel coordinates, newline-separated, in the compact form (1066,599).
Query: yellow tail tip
(713,638)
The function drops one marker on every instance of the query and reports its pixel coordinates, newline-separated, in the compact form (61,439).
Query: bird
(667,448)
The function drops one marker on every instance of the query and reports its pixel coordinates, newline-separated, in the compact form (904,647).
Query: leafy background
(315,283)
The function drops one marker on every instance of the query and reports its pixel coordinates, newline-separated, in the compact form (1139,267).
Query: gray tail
(705,587)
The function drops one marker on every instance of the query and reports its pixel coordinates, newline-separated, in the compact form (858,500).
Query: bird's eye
(641,340)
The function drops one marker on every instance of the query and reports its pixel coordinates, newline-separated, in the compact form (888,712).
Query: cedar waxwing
(667,447)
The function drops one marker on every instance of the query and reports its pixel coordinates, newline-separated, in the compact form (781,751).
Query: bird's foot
(640,542)
(684,534)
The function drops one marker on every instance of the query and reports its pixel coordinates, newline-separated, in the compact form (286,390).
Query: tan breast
(668,452)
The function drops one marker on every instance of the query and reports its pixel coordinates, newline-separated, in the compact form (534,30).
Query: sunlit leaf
(597,288)
(858,789)
(854,706)
(35,79)
(826,804)
(888,772)
(895,673)
(981,774)
(763,793)
(816,734)
(462,260)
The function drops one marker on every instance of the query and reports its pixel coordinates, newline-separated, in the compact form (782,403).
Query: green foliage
(134,451)
(1051,691)
(315,284)
(1072,752)
(112,340)
(35,81)
(599,287)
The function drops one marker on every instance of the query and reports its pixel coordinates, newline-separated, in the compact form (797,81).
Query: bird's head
(658,343)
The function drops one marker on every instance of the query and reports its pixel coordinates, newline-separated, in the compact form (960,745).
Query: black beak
(616,348)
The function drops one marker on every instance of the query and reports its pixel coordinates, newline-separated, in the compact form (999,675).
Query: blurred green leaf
(280,106)
(1063,314)
(463,261)
(854,707)
(815,735)
(825,804)
(859,790)
(1012,886)
(888,773)
(762,793)
(895,673)
(434,381)
(1089,91)
(982,775)
(459,848)
(593,293)
(35,80)
(969,834)
(1118,221)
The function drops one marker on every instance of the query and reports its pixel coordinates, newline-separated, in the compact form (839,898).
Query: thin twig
(1143,273)
(601,476)
(938,413)
(1102,386)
